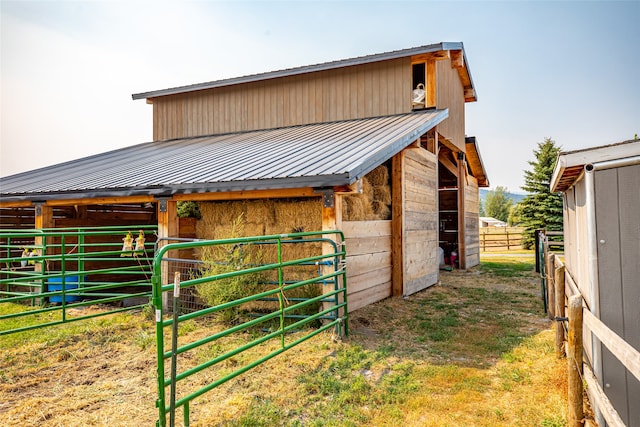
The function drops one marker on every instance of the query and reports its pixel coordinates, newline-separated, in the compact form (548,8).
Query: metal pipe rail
(334,312)
(57,269)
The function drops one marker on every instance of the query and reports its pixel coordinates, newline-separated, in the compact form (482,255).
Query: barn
(375,146)
(601,191)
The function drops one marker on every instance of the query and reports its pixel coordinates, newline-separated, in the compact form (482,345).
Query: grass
(474,350)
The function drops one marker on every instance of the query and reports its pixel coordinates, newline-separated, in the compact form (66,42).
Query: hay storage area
(374,203)
(245,218)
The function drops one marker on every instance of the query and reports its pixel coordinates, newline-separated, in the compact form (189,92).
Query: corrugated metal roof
(310,69)
(314,155)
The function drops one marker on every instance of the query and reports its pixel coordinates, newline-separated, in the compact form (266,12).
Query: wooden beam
(249,194)
(397,224)
(448,164)
(101,201)
(430,141)
(462,250)
(457,59)
(423,57)
(17,204)
(448,143)
(431,86)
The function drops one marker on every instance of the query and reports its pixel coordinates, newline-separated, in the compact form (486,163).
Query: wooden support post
(462,251)
(397,225)
(574,359)
(550,268)
(167,227)
(331,220)
(560,311)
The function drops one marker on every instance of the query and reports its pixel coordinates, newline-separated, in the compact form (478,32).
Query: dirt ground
(105,375)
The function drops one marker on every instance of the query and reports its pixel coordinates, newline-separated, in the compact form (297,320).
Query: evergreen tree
(540,208)
(498,203)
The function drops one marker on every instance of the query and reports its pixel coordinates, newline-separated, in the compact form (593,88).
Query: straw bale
(382,193)
(367,189)
(381,210)
(259,211)
(356,207)
(293,215)
(379,176)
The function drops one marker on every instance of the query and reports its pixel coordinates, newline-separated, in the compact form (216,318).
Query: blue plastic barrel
(54,284)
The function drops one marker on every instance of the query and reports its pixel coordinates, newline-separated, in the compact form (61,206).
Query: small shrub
(223,259)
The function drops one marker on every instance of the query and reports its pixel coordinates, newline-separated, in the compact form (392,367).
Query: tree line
(540,208)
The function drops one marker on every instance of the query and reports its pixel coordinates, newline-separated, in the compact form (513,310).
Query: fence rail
(574,320)
(500,238)
(269,332)
(60,271)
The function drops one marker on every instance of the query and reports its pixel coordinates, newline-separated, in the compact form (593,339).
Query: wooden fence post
(574,359)
(560,311)
(508,246)
(549,269)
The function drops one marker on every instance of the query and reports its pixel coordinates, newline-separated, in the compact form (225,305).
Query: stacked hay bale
(374,203)
(243,218)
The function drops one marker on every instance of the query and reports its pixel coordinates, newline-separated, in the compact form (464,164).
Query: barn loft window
(419,85)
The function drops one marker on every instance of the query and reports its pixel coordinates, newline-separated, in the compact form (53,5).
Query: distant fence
(500,238)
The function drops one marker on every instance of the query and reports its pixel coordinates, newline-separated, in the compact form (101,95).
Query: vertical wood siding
(369,90)
(471,222)
(368,246)
(451,95)
(420,236)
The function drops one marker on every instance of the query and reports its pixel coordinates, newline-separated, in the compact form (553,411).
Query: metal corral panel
(315,155)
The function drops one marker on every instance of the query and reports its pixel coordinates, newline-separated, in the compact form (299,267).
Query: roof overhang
(571,164)
(475,161)
(453,50)
(315,155)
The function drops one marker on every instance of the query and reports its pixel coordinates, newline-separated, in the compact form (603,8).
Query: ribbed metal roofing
(314,155)
(309,69)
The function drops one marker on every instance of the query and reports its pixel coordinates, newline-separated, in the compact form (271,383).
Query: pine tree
(540,208)
(498,203)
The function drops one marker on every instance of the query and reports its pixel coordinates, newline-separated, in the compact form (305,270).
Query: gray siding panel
(618,240)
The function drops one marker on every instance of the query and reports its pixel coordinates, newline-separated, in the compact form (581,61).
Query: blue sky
(565,70)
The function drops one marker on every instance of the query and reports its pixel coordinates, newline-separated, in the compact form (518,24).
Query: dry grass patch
(474,350)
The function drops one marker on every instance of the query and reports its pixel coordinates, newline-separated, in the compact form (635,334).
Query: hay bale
(382,193)
(381,210)
(356,207)
(379,176)
(367,189)
(260,211)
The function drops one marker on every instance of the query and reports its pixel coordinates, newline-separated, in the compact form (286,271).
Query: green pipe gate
(47,274)
(283,324)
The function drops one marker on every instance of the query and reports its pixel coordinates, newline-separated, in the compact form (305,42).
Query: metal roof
(310,69)
(570,164)
(314,155)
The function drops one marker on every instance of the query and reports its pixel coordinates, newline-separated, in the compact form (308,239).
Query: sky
(568,70)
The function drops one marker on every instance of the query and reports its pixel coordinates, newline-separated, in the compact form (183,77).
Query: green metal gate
(282,322)
(48,276)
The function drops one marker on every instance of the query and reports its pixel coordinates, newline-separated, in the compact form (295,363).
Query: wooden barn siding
(368,246)
(471,222)
(451,95)
(369,90)
(618,239)
(420,235)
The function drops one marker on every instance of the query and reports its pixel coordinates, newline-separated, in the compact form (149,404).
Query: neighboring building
(601,191)
(487,221)
(318,133)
